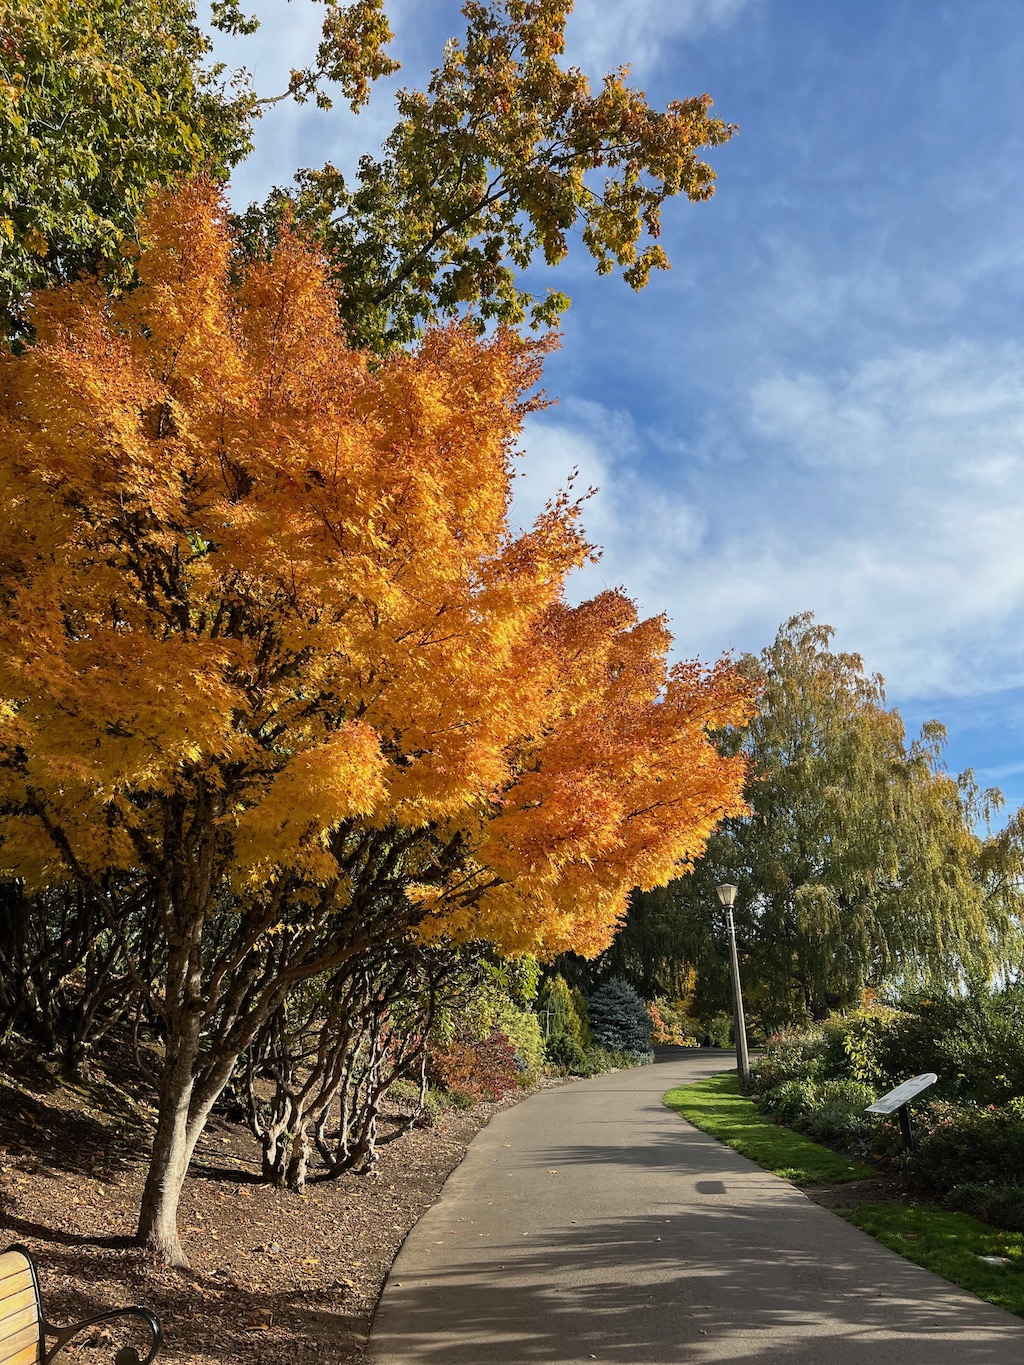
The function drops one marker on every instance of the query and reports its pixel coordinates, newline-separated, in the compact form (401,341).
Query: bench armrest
(127,1355)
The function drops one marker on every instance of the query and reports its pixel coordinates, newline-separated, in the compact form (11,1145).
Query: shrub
(965,1144)
(565,1054)
(866,1045)
(523,1030)
(788,1101)
(560,1012)
(670,1024)
(406,1093)
(718,1029)
(793,1055)
(482,1068)
(619,1021)
(659,1029)
(1001,1205)
(579,1001)
(837,1115)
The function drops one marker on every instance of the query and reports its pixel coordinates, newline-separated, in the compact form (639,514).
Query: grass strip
(951,1245)
(716,1106)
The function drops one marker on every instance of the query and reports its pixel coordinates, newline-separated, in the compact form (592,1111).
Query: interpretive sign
(897,1098)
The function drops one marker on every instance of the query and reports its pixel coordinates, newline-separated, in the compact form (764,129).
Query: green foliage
(1000,1205)
(557,1005)
(858,865)
(837,1114)
(102,100)
(971,1129)
(790,1055)
(974,1043)
(717,1107)
(494,165)
(718,1028)
(619,1020)
(789,1101)
(859,862)
(567,1057)
(492,997)
(956,1144)
(950,1245)
(565,1054)
(867,1045)
(579,1001)
(523,1030)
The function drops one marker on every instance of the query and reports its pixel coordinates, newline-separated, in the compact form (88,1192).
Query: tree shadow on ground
(713,1284)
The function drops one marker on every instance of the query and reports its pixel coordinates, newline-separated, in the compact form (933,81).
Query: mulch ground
(275,1276)
(881,1189)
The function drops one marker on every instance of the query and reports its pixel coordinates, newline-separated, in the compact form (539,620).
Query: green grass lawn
(950,1244)
(716,1106)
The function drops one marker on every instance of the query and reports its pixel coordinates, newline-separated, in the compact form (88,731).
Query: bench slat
(13,1266)
(28,1355)
(12,1327)
(13,1351)
(16,1284)
(15,1305)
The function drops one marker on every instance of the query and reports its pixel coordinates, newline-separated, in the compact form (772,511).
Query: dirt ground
(275,1276)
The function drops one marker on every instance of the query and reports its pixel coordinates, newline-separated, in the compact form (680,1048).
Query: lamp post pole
(727,897)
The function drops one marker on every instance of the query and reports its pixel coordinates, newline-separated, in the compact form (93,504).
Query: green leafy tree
(103,101)
(504,155)
(858,865)
(100,101)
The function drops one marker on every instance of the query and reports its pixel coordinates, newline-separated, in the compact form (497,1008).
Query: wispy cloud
(888,498)
(605,33)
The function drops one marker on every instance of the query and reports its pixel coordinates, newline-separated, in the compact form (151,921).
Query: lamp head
(727,895)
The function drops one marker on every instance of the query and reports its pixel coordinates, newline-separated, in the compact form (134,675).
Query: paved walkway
(590,1223)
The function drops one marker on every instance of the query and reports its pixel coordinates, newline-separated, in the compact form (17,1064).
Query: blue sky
(821,407)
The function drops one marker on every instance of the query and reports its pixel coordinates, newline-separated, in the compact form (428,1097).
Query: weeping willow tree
(859,863)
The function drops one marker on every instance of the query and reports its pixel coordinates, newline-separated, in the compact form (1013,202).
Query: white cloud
(639,526)
(606,33)
(959,407)
(888,499)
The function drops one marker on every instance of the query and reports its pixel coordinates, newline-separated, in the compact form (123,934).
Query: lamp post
(727,897)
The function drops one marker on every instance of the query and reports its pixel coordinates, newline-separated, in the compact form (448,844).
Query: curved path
(590,1223)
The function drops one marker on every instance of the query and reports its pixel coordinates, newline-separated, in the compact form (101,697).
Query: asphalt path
(591,1223)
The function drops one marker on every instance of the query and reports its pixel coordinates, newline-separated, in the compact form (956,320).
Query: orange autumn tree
(272,658)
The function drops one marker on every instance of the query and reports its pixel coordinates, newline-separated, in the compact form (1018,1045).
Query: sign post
(897,1102)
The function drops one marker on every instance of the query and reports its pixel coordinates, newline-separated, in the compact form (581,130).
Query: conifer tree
(619,1020)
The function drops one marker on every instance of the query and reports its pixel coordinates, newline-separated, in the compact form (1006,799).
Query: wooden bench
(24,1330)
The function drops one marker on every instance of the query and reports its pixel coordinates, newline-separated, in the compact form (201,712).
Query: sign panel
(888,1104)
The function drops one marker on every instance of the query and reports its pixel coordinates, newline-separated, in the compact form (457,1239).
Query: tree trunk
(184,1110)
(158,1217)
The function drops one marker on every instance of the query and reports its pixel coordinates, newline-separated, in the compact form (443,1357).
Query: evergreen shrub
(565,1054)
(524,1032)
(837,1115)
(619,1020)
(560,1013)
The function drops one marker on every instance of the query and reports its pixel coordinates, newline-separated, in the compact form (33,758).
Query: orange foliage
(251,574)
